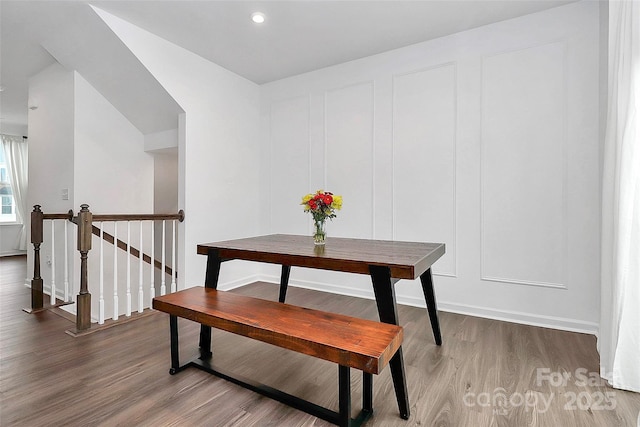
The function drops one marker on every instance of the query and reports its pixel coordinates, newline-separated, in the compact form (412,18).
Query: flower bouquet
(321,205)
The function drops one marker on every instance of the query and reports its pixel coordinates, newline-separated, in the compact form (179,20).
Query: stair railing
(86,228)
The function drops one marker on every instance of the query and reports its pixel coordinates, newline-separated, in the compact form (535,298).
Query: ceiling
(297,37)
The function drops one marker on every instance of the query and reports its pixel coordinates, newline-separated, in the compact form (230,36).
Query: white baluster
(140,291)
(128,313)
(101,298)
(163,287)
(67,294)
(115,271)
(152,272)
(52,297)
(173,258)
(74,287)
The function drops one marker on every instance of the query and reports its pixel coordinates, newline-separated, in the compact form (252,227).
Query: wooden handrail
(68,215)
(142,217)
(120,217)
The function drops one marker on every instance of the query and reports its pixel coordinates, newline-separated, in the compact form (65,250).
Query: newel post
(36,238)
(83,314)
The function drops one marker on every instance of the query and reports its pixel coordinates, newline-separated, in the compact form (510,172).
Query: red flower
(327,199)
(312,204)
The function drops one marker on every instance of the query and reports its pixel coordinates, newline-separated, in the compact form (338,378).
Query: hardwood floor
(486,373)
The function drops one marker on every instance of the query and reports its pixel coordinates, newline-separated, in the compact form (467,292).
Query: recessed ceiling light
(258,17)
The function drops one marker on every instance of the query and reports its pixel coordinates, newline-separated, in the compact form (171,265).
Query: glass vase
(319,232)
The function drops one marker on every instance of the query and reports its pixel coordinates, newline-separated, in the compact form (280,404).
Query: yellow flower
(337,202)
(306,199)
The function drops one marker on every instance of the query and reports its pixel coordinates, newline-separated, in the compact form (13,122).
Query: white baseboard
(551,322)
(323,287)
(227,286)
(530,319)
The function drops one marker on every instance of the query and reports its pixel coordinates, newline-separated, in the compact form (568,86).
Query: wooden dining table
(384,260)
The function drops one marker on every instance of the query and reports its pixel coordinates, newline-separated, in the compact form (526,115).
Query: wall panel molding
(424,139)
(289,154)
(349,160)
(523,166)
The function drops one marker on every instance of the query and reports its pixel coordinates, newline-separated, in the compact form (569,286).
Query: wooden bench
(350,342)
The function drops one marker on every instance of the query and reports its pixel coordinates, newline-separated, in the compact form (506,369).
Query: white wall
(219,145)
(163,140)
(486,140)
(13,129)
(8,239)
(165,200)
(165,181)
(113,174)
(51,148)
(51,156)
(80,142)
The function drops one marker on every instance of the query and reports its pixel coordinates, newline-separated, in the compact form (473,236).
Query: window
(8,212)
(7,205)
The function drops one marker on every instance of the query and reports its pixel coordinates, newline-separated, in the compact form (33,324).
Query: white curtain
(15,151)
(619,334)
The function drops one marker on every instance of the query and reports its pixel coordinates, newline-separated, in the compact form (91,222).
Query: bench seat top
(357,343)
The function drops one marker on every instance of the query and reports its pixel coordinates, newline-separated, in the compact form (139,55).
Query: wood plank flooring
(486,373)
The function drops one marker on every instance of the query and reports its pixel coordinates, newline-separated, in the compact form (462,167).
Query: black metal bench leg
(344,396)
(367,392)
(430,298)
(284,282)
(175,359)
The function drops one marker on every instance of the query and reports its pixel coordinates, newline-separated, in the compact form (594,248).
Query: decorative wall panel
(424,164)
(524,226)
(289,121)
(349,116)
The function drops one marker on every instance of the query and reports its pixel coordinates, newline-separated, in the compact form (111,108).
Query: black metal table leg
(205,342)
(429,296)
(213,269)
(175,358)
(210,281)
(284,282)
(388,312)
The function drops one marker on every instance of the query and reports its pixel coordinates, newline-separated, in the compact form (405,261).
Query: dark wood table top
(406,260)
